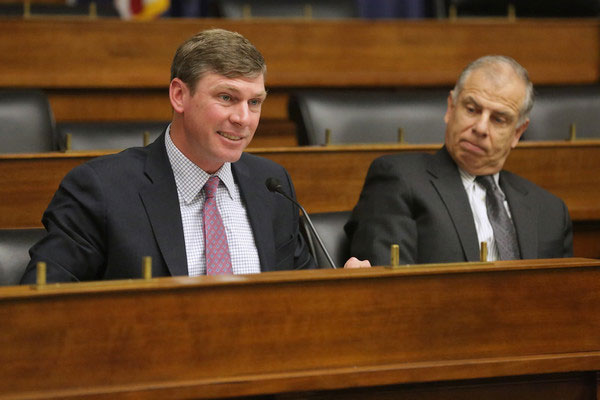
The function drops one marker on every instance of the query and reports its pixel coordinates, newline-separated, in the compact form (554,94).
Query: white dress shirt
(476,194)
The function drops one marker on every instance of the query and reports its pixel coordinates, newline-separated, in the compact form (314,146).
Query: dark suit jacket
(112,211)
(418,201)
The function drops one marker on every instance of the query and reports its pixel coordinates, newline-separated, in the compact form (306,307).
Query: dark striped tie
(504,230)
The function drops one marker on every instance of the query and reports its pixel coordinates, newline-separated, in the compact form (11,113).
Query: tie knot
(487,181)
(210,187)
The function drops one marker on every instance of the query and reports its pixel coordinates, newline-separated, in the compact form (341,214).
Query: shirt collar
(189,177)
(468,180)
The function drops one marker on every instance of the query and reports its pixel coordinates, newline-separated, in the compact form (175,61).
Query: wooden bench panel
(331,178)
(108,69)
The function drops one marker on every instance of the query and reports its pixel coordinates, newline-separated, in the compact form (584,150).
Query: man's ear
(519,132)
(450,107)
(177,94)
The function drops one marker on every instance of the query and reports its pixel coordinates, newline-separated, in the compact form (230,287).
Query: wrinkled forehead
(497,86)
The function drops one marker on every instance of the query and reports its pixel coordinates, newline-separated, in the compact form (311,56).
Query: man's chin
(477,166)
(481,170)
(232,156)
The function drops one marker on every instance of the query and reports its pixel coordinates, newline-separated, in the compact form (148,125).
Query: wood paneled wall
(109,69)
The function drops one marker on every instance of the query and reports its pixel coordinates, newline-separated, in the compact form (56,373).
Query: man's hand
(354,262)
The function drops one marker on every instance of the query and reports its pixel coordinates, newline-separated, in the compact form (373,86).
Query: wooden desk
(331,178)
(109,70)
(512,329)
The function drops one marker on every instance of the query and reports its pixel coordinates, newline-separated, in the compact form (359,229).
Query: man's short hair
(216,51)
(500,60)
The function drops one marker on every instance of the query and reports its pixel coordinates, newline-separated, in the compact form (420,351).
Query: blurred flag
(141,9)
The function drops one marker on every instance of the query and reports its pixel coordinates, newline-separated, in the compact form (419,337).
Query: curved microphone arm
(274,185)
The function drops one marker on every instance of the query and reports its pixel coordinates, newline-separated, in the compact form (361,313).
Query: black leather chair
(14,252)
(369,116)
(320,9)
(556,108)
(526,8)
(18,9)
(108,135)
(330,226)
(26,122)
(557,8)
(478,8)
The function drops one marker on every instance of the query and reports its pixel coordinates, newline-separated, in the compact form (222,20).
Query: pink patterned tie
(218,261)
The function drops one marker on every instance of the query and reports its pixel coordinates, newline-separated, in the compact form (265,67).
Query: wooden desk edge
(359,147)
(337,378)
(293,277)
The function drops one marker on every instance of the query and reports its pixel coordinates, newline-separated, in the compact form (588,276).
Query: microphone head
(273,184)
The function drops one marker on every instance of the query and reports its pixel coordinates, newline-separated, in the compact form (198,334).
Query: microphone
(274,185)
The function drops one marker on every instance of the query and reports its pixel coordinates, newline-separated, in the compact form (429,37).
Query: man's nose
(482,125)
(241,114)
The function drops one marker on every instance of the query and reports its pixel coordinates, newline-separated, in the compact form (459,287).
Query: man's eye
(225,97)
(255,102)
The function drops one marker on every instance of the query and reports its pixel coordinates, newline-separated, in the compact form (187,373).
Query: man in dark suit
(437,208)
(112,211)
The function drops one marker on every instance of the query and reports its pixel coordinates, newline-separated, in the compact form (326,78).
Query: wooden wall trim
(114,70)
(330,179)
(326,178)
(110,53)
(93,105)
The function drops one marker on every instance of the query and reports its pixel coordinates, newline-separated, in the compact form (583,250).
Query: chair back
(556,108)
(330,226)
(525,8)
(369,116)
(14,252)
(108,135)
(58,9)
(318,9)
(26,122)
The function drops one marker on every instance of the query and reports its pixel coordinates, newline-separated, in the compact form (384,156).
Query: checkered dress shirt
(190,180)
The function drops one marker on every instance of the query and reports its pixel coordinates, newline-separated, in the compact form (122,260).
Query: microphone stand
(274,186)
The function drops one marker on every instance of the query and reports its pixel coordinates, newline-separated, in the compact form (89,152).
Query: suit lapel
(446,180)
(257,203)
(162,206)
(524,216)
